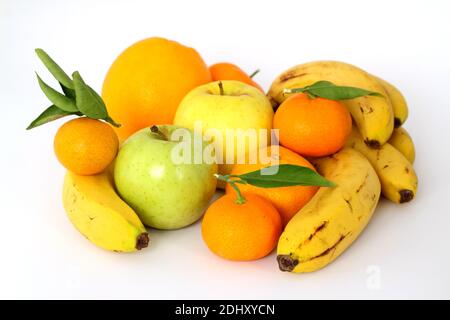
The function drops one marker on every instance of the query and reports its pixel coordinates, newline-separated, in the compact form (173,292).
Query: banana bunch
(373,115)
(334,217)
(386,144)
(377,159)
(402,141)
(96,210)
(396,173)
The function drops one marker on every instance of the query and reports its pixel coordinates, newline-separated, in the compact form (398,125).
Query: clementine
(312,126)
(242,232)
(86,146)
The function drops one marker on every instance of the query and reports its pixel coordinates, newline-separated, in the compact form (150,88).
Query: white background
(43,256)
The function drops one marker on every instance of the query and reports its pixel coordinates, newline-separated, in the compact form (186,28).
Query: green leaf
(88,101)
(54,69)
(50,114)
(287,175)
(112,122)
(328,90)
(58,99)
(97,97)
(70,93)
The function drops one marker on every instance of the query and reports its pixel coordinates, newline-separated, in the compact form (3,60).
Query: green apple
(223,105)
(166,194)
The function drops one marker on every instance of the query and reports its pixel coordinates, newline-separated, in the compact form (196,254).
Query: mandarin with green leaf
(241,230)
(313,127)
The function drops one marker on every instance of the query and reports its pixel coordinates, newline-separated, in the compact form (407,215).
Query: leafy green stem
(232,183)
(77,98)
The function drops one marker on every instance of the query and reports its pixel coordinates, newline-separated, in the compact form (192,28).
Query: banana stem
(232,183)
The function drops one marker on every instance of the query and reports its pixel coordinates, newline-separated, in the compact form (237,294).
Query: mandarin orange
(241,232)
(312,126)
(86,146)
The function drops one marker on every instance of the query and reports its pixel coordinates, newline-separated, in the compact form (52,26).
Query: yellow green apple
(225,105)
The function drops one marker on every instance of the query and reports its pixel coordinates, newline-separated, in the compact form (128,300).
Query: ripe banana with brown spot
(402,141)
(397,175)
(96,210)
(373,115)
(334,217)
(398,102)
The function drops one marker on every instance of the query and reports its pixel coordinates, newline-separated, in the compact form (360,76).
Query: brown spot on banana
(290,75)
(349,204)
(332,248)
(323,225)
(362,184)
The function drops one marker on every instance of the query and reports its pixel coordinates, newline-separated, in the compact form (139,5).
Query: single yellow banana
(373,115)
(96,210)
(398,102)
(397,175)
(402,141)
(334,217)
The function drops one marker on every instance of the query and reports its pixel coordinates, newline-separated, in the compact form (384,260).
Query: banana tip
(374,144)
(142,241)
(406,195)
(286,262)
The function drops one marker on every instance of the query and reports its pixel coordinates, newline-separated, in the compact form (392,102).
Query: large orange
(241,232)
(287,200)
(147,81)
(312,126)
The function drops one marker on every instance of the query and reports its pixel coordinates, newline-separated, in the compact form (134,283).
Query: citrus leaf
(112,122)
(100,100)
(54,69)
(286,175)
(70,93)
(50,114)
(88,101)
(97,97)
(328,90)
(58,99)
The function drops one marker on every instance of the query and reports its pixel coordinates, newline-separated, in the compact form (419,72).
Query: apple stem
(254,73)
(155,129)
(240,198)
(220,84)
